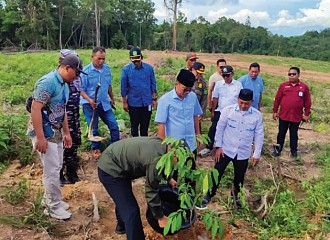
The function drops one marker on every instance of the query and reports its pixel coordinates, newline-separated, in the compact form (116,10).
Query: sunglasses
(193,60)
(77,72)
(225,75)
(292,74)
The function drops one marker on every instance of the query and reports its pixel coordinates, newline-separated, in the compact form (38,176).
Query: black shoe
(120,229)
(277,151)
(294,154)
(72,177)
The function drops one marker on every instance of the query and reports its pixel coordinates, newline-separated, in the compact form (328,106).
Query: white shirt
(214,78)
(227,94)
(236,130)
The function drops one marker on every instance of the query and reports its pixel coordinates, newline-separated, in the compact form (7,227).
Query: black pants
(240,167)
(70,157)
(127,208)
(139,116)
(283,127)
(213,129)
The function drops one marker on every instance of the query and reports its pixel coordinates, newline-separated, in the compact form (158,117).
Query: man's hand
(212,116)
(162,221)
(67,140)
(218,154)
(275,116)
(41,144)
(125,107)
(173,183)
(93,104)
(305,118)
(255,161)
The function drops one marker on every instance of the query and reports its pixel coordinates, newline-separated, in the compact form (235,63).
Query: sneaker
(97,154)
(59,213)
(63,204)
(119,229)
(326,217)
(204,203)
(205,152)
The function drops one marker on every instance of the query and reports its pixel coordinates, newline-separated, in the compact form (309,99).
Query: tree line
(54,24)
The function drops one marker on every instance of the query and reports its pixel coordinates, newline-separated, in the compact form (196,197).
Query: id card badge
(300,94)
(149,108)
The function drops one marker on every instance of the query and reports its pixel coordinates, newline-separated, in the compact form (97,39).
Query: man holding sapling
(239,126)
(48,128)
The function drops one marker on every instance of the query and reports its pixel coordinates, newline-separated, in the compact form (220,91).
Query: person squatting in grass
(200,89)
(48,128)
(138,91)
(178,110)
(98,73)
(68,173)
(239,126)
(294,100)
(124,161)
(225,93)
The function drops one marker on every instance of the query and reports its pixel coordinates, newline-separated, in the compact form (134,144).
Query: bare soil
(79,195)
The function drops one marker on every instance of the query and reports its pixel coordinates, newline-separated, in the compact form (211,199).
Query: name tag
(300,94)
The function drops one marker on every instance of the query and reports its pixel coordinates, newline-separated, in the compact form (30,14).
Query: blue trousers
(107,117)
(127,208)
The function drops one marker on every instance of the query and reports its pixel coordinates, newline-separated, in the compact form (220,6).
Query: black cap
(135,54)
(74,62)
(199,67)
(227,69)
(186,78)
(246,94)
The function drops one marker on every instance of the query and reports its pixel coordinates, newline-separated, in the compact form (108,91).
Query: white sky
(285,17)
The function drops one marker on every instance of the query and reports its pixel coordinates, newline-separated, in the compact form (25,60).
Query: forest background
(57,24)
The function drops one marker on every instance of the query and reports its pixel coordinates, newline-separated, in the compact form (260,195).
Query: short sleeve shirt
(178,116)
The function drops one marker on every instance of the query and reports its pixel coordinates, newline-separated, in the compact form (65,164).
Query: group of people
(235,114)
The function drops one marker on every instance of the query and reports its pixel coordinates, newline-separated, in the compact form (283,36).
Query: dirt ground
(79,195)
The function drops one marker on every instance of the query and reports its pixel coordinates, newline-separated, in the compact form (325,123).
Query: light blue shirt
(237,130)
(138,84)
(255,85)
(178,116)
(227,94)
(90,81)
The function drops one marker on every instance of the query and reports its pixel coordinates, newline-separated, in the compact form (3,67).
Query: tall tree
(172,5)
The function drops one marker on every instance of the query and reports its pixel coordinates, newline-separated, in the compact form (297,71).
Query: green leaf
(215,228)
(215,174)
(209,224)
(221,229)
(167,226)
(205,184)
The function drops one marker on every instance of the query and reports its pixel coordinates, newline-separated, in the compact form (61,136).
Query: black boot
(120,229)
(63,180)
(71,174)
(277,150)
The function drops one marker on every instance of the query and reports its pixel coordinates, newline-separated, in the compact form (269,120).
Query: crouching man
(239,126)
(124,161)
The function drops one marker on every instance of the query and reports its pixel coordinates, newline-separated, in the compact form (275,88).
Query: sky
(283,17)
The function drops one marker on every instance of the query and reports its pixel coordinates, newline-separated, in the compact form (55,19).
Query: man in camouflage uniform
(200,88)
(70,157)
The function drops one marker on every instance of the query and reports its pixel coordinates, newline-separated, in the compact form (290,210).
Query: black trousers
(70,158)
(283,127)
(213,129)
(240,167)
(127,208)
(139,116)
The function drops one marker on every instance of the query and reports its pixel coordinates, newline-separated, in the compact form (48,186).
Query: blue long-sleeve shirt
(138,84)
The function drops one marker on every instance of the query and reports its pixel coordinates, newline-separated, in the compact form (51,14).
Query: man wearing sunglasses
(225,93)
(138,91)
(294,100)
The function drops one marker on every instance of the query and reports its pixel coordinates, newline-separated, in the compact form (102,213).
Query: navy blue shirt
(138,84)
